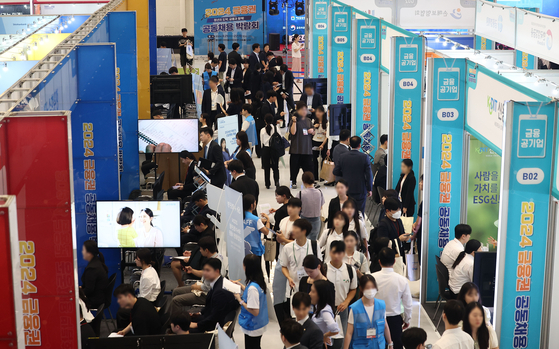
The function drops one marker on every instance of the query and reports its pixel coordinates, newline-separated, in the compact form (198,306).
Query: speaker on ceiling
(273,5)
(299,8)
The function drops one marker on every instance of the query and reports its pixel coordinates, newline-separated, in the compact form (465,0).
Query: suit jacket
(267,108)
(189,179)
(391,230)
(217,172)
(316,100)
(246,185)
(337,154)
(95,282)
(207,100)
(237,78)
(234,55)
(288,87)
(312,336)
(333,208)
(219,303)
(355,168)
(407,193)
(247,80)
(253,61)
(256,83)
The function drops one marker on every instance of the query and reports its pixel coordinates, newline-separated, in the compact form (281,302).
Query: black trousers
(283,311)
(395,325)
(122,318)
(300,161)
(252,342)
(270,162)
(211,118)
(176,194)
(315,154)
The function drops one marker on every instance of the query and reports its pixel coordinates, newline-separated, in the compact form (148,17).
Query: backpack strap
(350,272)
(314,246)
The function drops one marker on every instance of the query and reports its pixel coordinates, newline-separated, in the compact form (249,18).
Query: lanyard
(294,256)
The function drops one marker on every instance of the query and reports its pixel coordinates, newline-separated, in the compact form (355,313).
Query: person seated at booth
(184,190)
(198,206)
(463,268)
(462,233)
(201,226)
(180,323)
(143,319)
(95,280)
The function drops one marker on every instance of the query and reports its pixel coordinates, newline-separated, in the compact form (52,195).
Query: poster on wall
(222,22)
(340,53)
(496,22)
(319,31)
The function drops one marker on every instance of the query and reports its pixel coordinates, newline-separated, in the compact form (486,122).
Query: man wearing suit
(235,74)
(234,55)
(341,148)
(241,182)
(291,332)
(212,99)
(285,78)
(268,107)
(247,79)
(213,153)
(184,189)
(254,58)
(219,302)
(311,99)
(312,337)
(355,168)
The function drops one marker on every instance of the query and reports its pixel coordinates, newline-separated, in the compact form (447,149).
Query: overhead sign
(436,14)
(319,38)
(339,39)
(538,35)
(496,22)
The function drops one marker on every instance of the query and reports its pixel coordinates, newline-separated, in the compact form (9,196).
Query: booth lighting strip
(19,92)
(17,45)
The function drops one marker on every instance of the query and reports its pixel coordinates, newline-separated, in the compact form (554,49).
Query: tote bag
(399,266)
(327,170)
(412,263)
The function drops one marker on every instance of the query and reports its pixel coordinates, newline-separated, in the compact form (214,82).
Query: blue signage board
(446,95)
(525,60)
(320,38)
(340,53)
(524,231)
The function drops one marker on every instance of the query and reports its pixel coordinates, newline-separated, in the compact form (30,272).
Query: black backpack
(277,145)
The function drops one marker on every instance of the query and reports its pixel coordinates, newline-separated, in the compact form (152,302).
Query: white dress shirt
(292,257)
(303,320)
(358,260)
(454,339)
(149,284)
(464,272)
(394,290)
(265,137)
(326,239)
(342,282)
(450,252)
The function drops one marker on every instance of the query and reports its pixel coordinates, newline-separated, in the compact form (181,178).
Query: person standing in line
(453,336)
(394,290)
(249,124)
(356,223)
(212,152)
(270,161)
(341,148)
(313,200)
(323,314)
(243,154)
(391,226)
(452,249)
(355,168)
(321,142)
(234,54)
(414,338)
(340,224)
(296,48)
(336,204)
(213,100)
(469,292)
(291,334)
(222,63)
(312,335)
(367,326)
(186,57)
(474,324)
(301,131)
(254,58)
(378,162)
(95,280)
(406,188)
(253,318)
(253,226)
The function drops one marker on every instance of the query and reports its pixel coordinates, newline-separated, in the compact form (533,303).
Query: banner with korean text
(407,74)
(496,22)
(319,39)
(339,45)
(365,94)
(537,34)
(445,100)
(523,229)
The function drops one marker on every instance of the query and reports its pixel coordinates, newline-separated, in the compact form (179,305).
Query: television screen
(135,224)
(168,136)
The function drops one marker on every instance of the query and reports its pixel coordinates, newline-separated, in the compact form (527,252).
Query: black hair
(214,263)
(365,278)
(284,191)
(236,165)
(343,181)
(325,297)
(270,53)
(295,36)
(248,201)
(324,116)
(125,216)
(292,331)
(279,60)
(259,95)
(462,229)
(465,290)
(482,331)
(91,247)
(214,79)
(247,107)
(182,320)
(300,105)
(149,212)
(253,271)
(308,177)
(199,195)
(271,94)
(387,257)
(337,246)
(221,46)
(471,246)
(391,204)
(295,202)
(215,60)
(204,116)
(344,135)
(355,236)
(407,162)
(343,215)
(211,55)
(235,45)
(156,112)
(414,337)
(237,96)
(391,193)
(199,219)
(303,224)
(379,244)
(383,139)
(208,131)
(308,86)
(300,298)
(311,262)
(421,178)
(208,243)
(163,43)
(255,46)
(207,66)
(144,255)
(266,44)
(124,289)
(284,68)
(269,118)
(186,154)
(355,142)
(183,30)
(454,311)
(243,137)
(173,70)
(351,202)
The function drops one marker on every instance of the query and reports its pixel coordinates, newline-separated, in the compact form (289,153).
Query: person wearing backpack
(270,158)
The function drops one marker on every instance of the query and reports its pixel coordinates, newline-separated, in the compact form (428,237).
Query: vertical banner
(525,60)
(406,73)
(339,59)
(235,233)
(483,43)
(319,39)
(446,98)
(523,230)
(365,94)
(227,128)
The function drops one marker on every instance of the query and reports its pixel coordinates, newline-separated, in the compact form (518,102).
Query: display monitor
(168,136)
(135,224)
(175,89)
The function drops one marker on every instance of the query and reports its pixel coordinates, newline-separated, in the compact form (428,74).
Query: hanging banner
(445,96)
(319,38)
(523,231)
(406,73)
(525,60)
(496,22)
(235,232)
(365,94)
(436,14)
(339,42)
(537,34)
(227,128)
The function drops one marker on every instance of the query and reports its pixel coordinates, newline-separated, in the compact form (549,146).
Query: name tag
(301,273)
(371,333)
(305,132)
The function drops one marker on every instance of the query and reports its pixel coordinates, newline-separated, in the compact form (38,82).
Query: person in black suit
(234,74)
(355,168)
(291,333)
(212,100)
(242,183)
(213,153)
(263,56)
(144,319)
(254,58)
(256,82)
(268,107)
(219,302)
(234,55)
(391,226)
(311,99)
(285,78)
(406,188)
(272,62)
(184,189)
(336,203)
(94,278)
(247,79)
(312,337)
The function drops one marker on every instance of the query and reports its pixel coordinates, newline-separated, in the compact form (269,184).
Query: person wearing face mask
(391,226)
(394,290)
(367,326)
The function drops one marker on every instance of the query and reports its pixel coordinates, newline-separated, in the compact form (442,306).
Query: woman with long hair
(94,278)
(243,153)
(463,268)
(314,269)
(253,318)
(323,314)
(406,188)
(269,159)
(353,256)
(356,222)
(253,226)
(469,292)
(149,236)
(340,225)
(321,142)
(336,204)
(283,194)
(296,48)
(474,324)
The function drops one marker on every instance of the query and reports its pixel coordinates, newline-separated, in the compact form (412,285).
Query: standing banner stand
(339,53)
(442,183)
(406,100)
(523,227)
(317,54)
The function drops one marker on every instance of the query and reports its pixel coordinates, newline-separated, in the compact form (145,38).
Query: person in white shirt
(336,233)
(296,48)
(344,278)
(150,285)
(453,336)
(356,222)
(484,335)
(463,268)
(352,254)
(394,290)
(462,233)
